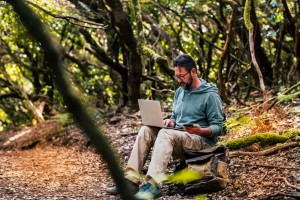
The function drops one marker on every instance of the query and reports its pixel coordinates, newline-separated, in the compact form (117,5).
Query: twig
(295,195)
(288,183)
(267,151)
(284,93)
(273,166)
(262,178)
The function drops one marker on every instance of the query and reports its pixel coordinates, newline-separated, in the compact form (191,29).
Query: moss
(265,139)
(161,61)
(293,133)
(247,20)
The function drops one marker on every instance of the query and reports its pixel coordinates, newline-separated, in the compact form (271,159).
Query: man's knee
(166,134)
(146,132)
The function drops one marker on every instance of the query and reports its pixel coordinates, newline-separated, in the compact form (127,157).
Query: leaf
(201,197)
(185,176)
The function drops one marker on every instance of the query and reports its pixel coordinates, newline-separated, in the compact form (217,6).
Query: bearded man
(197,110)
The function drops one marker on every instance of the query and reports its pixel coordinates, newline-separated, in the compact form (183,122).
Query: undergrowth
(265,128)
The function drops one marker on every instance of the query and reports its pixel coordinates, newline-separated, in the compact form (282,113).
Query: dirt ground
(65,166)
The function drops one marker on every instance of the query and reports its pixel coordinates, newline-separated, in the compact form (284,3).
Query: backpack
(212,165)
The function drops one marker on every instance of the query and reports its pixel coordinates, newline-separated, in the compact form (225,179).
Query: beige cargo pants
(165,143)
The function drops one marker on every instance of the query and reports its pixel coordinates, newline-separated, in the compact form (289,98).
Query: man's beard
(187,85)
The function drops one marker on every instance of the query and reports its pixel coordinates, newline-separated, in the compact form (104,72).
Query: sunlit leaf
(185,176)
(201,197)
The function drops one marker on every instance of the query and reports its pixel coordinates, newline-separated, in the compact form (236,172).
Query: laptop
(151,113)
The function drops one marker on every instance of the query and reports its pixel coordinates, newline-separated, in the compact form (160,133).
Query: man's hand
(194,129)
(198,130)
(169,123)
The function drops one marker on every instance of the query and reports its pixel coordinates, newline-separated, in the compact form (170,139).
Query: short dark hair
(184,60)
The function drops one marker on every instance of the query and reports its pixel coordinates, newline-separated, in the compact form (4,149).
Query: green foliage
(236,123)
(288,97)
(201,197)
(4,119)
(196,27)
(185,176)
(292,134)
(63,118)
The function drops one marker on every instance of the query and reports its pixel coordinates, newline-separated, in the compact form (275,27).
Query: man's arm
(215,114)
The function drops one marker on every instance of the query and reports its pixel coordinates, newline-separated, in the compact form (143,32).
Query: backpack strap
(220,149)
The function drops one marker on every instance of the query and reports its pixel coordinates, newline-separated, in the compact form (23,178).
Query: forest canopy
(116,52)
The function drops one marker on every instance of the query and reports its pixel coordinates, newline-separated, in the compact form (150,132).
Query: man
(197,109)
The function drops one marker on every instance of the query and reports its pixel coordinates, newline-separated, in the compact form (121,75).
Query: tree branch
(101,54)
(289,18)
(283,93)
(267,151)
(155,80)
(161,61)
(68,18)
(82,67)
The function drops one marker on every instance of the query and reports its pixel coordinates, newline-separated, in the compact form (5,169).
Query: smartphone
(188,125)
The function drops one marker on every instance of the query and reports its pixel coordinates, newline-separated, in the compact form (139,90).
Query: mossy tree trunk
(250,27)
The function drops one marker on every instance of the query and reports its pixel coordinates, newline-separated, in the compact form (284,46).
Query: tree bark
(116,66)
(134,62)
(278,55)
(248,6)
(261,56)
(226,50)
(297,50)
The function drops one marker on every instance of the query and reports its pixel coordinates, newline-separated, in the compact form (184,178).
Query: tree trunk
(261,56)
(115,65)
(297,50)
(278,63)
(121,20)
(225,51)
(250,28)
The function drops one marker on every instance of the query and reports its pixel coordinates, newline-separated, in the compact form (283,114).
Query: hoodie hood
(205,87)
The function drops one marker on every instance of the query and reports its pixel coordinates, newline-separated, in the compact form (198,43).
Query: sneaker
(148,191)
(134,188)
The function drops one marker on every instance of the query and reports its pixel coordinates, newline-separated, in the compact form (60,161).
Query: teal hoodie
(200,106)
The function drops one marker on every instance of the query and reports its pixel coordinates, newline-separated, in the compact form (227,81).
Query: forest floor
(48,161)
